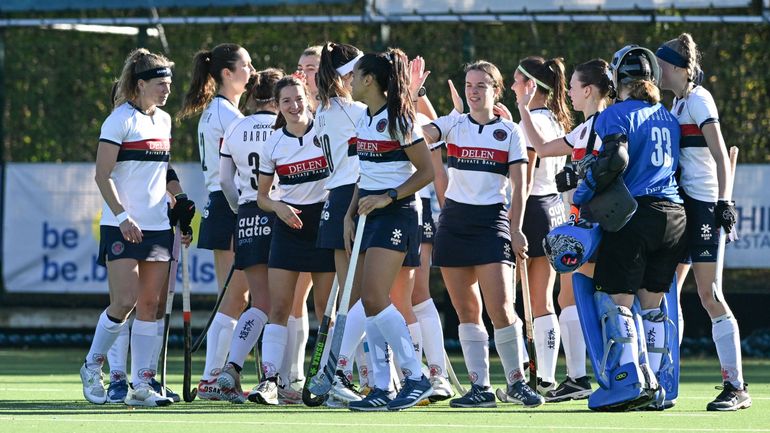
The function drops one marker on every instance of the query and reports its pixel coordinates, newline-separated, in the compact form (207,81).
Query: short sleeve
(266,162)
(444,124)
(224,150)
(611,121)
(415,137)
(573,136)
(702,108)
(517,149)
(114,129)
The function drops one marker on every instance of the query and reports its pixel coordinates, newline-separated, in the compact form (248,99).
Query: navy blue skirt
(394,227)
(217,228)
(428,225)
(470,235)
(254,234)
(542,214)
(295,250)
(333,218)
(156,246)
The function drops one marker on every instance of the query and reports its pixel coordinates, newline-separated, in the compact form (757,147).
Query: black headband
(154,73)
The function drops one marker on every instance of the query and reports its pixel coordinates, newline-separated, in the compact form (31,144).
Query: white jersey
(299,163)
(140,171)
(384,163)
(698,175)
(479,157)
(546,168)
(215,119)
(422,120)
(243,140)
(336,131)
(579,138)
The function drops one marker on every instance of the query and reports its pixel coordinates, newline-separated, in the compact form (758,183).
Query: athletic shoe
(570,389)
(266,392)
(288,395)
(731,398)
(93,385)
(411,393)
(520,393)
(333,403)
(365,390)
(144,395)
(478,396)
(229,381)
(156,386)
(117,391)
(544,387)
(342,389)
(210,390)
(442,390)
(376,401)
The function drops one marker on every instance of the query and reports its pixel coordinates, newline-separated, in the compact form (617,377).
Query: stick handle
(186,284)
(345,300)
(716,286)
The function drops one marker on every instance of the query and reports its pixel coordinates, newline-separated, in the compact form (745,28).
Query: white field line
(366,423)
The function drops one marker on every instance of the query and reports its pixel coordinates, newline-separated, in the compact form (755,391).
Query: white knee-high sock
(507,345)
(654,337)
(547,339)
(630,351)
(246,334)
(290,355)
(218,344)
(379,367)
(474,340)
(724,331)
(432,336)
(160,325)
(351,338)
(143,338)
(300,344)
(362,361)
(273,346)
(573,342)
(393,327)
(106,332)
(415,332)
(117,356)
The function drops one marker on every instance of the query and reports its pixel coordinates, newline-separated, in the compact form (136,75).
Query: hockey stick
(202,336)
(528,320)
(320,343)
(188,394)
(452,376)
(321,384)
(169,306)
(716,286)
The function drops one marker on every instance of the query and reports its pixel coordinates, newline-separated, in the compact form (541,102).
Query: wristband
(121,217)
(181,195)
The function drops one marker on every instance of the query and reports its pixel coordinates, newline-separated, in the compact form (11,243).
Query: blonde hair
(685,46)
(138,61)
(643,90)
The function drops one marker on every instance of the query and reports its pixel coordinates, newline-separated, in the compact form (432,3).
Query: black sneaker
(731,398)
(544,387)
(570,389)
(478,396)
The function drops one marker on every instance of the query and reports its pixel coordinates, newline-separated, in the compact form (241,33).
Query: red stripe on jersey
(477,153)
(578,154)
(377,146)
(352,140)
(690,129)
(302,166)
(162,144)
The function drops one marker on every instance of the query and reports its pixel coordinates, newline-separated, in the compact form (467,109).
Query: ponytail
(260,89)
(207,74)
(328,78)
(643,90)
(138,61)
(551,80)
(390,72)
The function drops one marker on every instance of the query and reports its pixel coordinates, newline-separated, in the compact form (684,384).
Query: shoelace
(346,383)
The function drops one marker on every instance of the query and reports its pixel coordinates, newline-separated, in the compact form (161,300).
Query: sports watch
(393,194)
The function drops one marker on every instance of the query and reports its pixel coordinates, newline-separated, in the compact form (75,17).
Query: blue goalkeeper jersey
(653,146)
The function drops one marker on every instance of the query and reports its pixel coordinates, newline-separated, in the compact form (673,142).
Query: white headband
(348,67)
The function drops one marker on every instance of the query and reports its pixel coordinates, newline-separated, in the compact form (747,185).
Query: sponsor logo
(705,232)
(621,376)
(244,334)
(705,254)
(395,238)
(507,251)
(427,231)
(381,125)
(500,134)
(551,339)
(117,248)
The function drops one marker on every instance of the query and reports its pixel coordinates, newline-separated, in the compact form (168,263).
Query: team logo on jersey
(395,238)
(583,133)
(500,134)
(117,248)
(381,125)
(705,232)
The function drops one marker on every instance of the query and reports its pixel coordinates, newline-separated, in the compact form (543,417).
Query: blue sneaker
(377,400)
(169,393)
(412,392)
(478,396)
(117,391)
(520,393)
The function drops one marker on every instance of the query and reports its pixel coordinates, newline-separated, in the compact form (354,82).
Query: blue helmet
(570,245)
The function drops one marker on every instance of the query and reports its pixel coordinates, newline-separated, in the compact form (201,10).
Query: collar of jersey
(383,108)
(538,109)
(137,108)
(289,134)
(491,122)
(263,112)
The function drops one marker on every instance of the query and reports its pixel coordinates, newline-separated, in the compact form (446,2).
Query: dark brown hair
(284,82)
(260,89)
(328,81)
(552,73)
(207,74)
(596,73)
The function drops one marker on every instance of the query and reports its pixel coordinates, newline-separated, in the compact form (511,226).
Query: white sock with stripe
(105,334)
(474,340)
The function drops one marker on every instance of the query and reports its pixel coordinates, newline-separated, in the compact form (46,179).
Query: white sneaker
(343,390)
(144,395)
(442,390)
(266,392)
(93,385)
